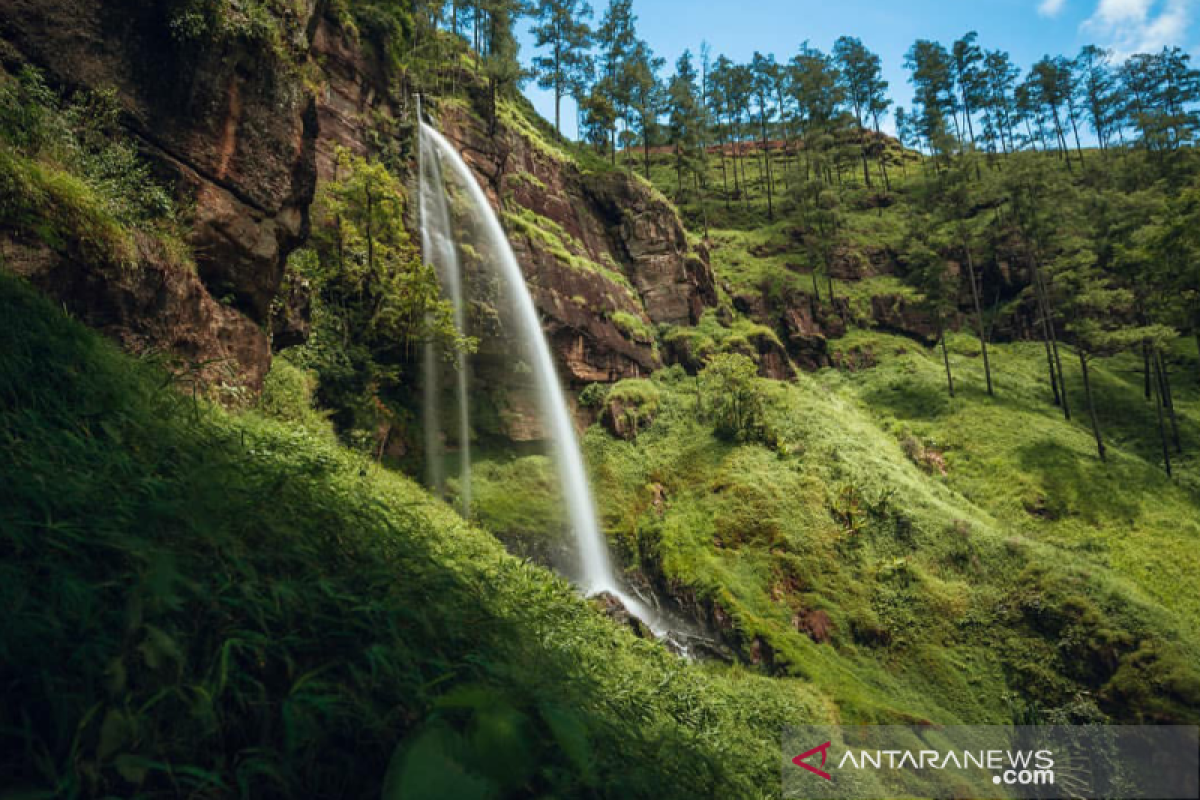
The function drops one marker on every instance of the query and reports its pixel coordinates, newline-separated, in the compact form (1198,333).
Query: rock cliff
(245,132)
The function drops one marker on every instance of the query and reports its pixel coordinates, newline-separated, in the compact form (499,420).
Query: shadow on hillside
(1083,486)
(910,399)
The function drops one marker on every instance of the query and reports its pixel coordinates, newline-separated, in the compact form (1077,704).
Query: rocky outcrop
(803,324)
(598,247)
(235,132)
(675,283)
(898,314)
(154,306)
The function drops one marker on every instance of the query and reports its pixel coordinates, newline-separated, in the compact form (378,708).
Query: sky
(1027,29)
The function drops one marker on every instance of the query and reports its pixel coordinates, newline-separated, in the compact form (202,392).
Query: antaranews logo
(1011,767)
(857,763)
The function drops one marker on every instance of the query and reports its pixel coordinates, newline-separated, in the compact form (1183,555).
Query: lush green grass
(206,604)
(1027,577)
(1016,457)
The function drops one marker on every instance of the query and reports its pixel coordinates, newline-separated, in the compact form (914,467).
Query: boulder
(899,314)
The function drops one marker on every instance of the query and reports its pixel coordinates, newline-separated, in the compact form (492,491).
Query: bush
(734,400)
(287,395)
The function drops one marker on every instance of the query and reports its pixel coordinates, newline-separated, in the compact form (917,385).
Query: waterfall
(438,248)
(596,568)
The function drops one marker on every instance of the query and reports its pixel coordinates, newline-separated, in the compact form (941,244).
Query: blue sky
(1028,29)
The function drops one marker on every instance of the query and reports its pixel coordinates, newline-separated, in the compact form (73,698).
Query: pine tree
(866,91)
(764,74)
(933,100)
(1000,79)
(647,97)
(562,27)
(1096,90)
(683,103)
(616,40)
(967,57)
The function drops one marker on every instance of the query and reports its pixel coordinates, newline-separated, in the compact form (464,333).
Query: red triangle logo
(800,761)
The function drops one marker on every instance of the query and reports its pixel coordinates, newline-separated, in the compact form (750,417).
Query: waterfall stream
(439,249)
(441,167)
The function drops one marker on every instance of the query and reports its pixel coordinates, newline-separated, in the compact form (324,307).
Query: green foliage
(734,399)
(633,326)
(375,300)
(275,26)
(70,176)
(288,395)
(231,605)
(919,558)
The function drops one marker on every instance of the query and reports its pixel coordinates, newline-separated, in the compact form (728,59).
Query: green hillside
(211,604)
(221,575)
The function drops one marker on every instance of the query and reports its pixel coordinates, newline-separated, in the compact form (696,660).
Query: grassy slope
(949,600)
(1027,580)
(202,602)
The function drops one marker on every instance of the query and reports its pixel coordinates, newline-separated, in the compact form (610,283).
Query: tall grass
(208,605)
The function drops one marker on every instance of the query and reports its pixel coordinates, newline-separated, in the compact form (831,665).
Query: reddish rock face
(246,142)
(154,305)
(898,314)
(804,325)
(238,138)
(632,253)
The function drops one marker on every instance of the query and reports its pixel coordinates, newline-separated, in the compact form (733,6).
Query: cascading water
(438,248)
(596,567)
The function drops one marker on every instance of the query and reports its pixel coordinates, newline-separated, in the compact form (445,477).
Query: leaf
(115,732)
(132,768)
(429,768)
(158,647)
(570,734)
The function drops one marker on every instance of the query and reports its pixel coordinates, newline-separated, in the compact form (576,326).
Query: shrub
(734,399)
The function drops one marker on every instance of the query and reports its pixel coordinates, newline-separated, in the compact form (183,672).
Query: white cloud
(1139,26)
(1051,8)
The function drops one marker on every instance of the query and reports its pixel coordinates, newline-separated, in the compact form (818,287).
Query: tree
(862,80)
(646,96)
(1026,185)
(1095,307)
(1051,87)
(500,64)
(717,99)
(562,27)
(686,121)
(967,56)
(929,270)
(1096,90)
(1172,244)
(599,117)
(737,403)
(933,100)
(818,92)
(764,74)
(957,199)
(1000,80)
(1161,92)
(617,39)
(375,300)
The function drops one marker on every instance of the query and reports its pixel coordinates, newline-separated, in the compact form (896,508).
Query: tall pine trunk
(1087,390)
(987,365)
(1048,317)
(945,353)
(1146,369)
(1164,379)
(1043,313)
(767,160)
(1162,429)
